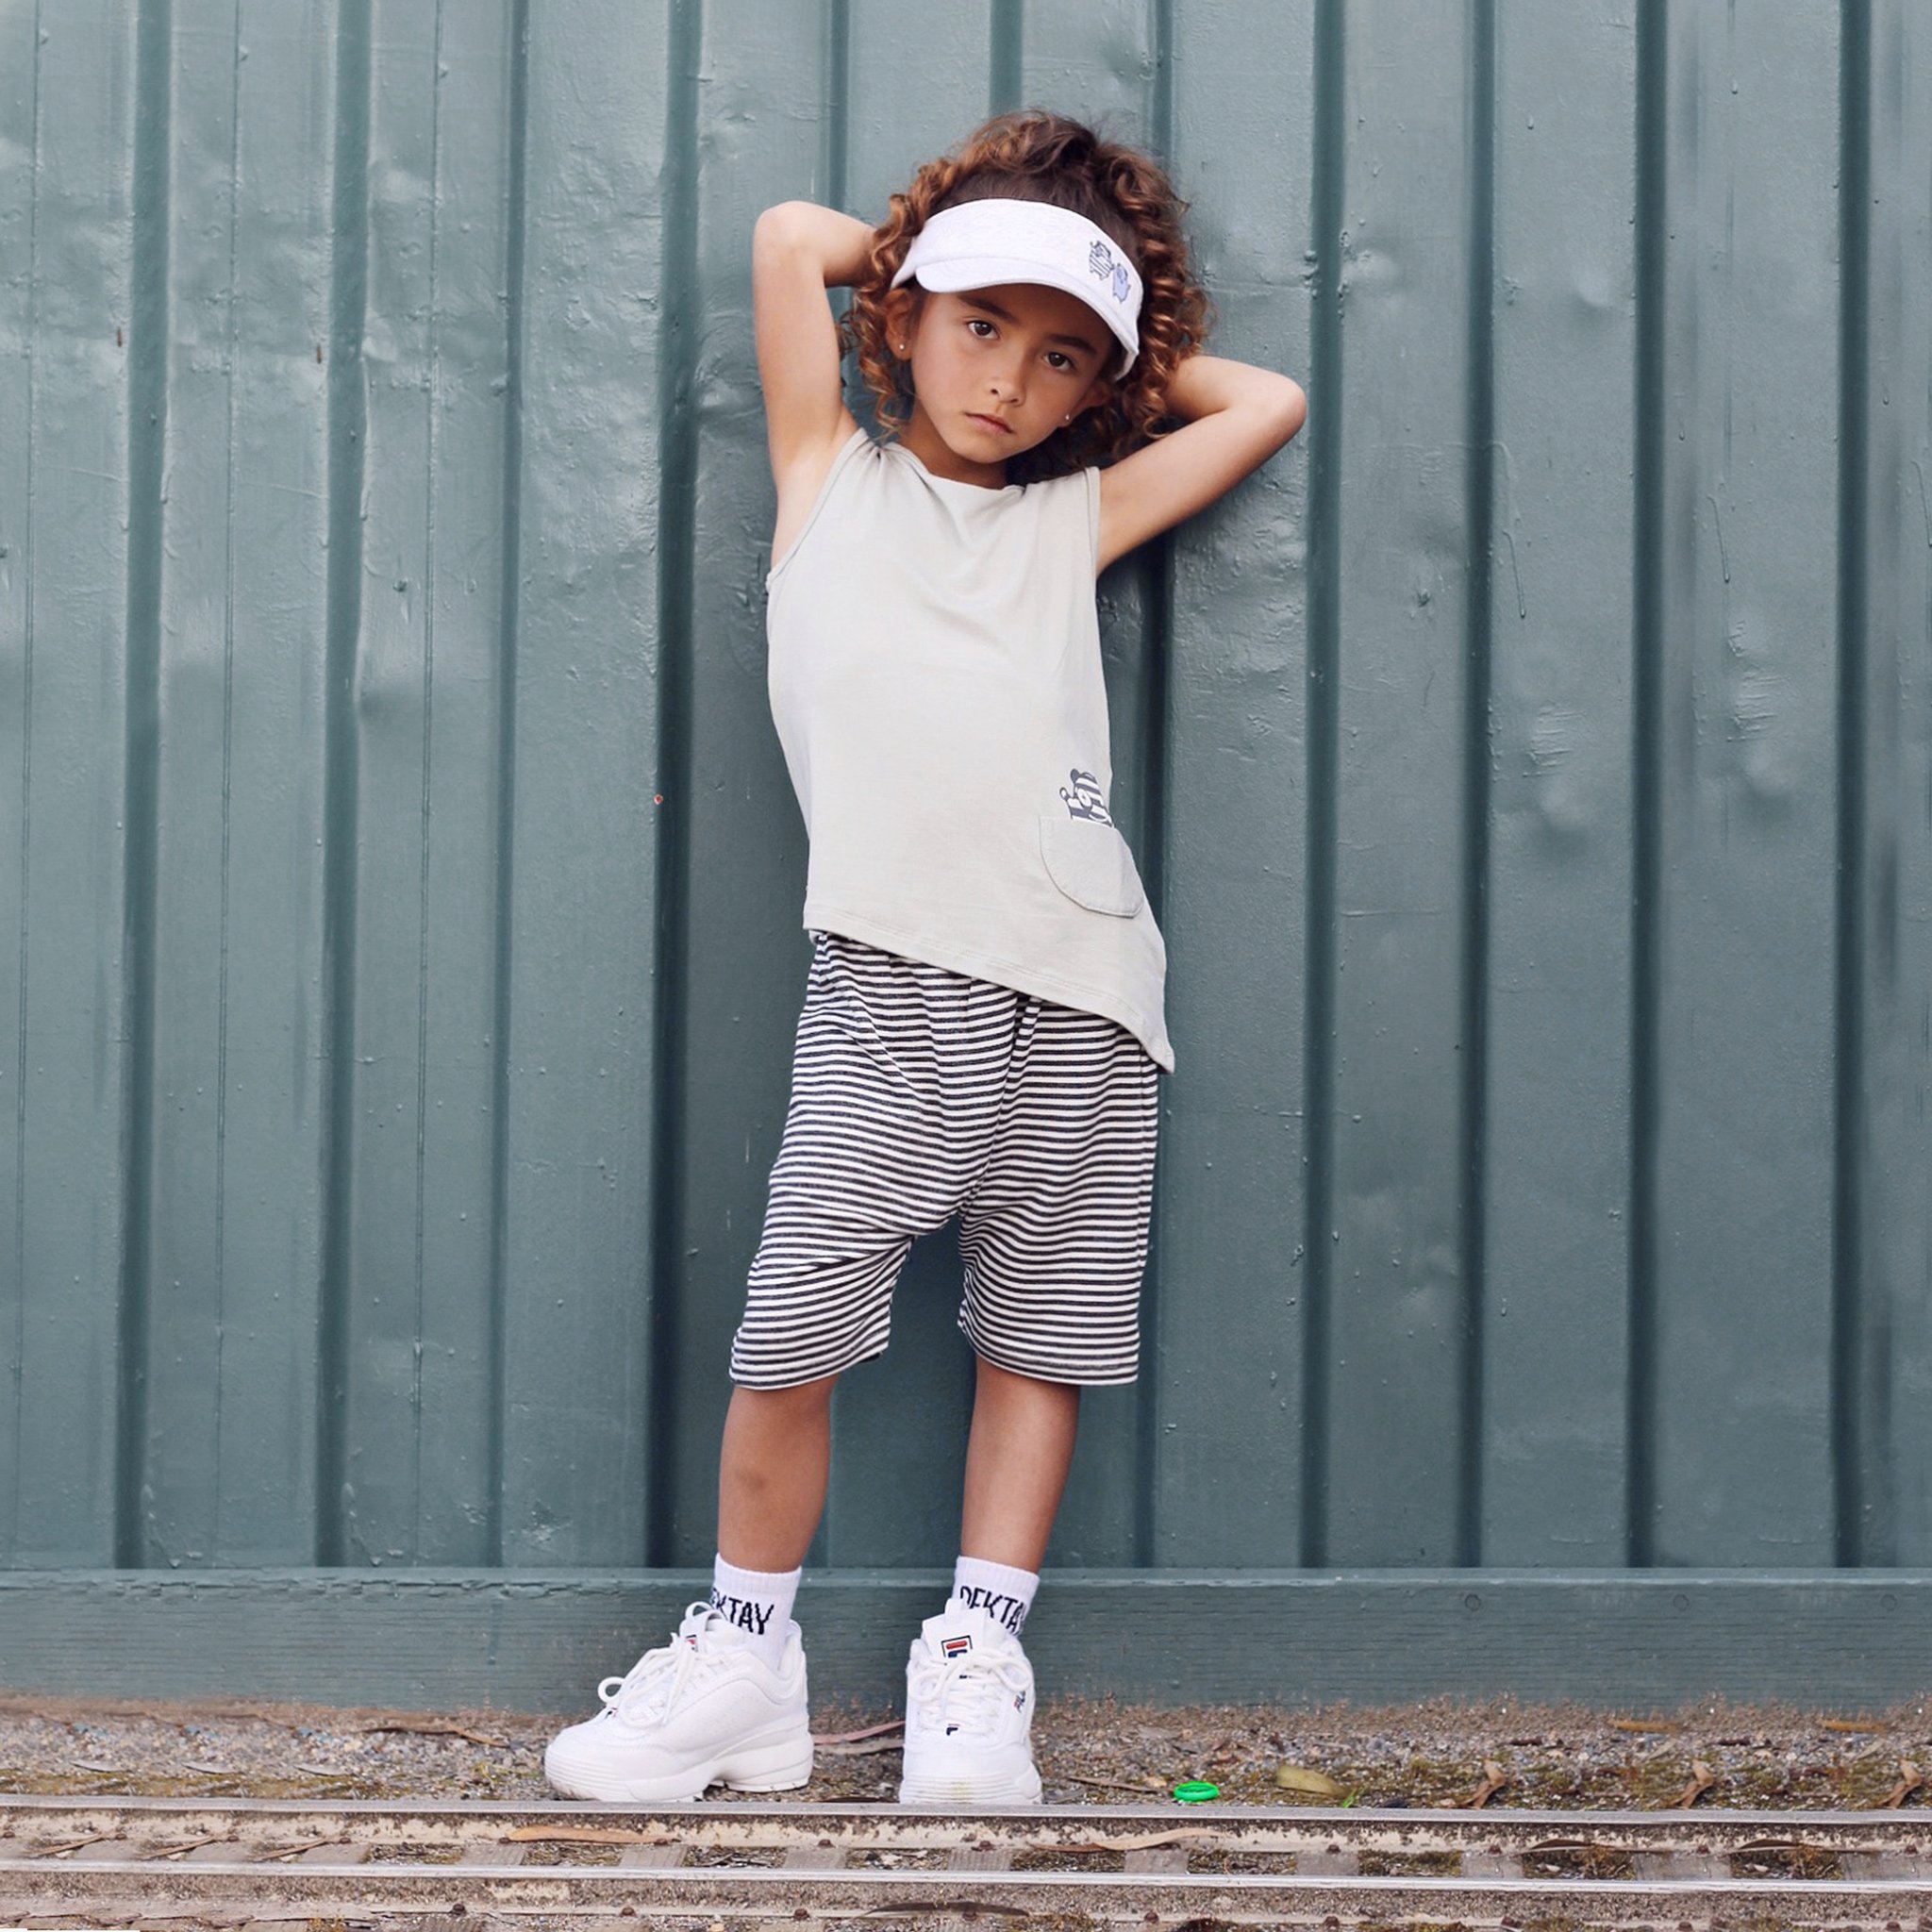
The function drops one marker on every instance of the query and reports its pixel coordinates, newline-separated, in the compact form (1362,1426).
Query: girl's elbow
(1289,407)
(778,221)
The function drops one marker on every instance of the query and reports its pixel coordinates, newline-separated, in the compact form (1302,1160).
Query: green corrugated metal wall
(1531,766)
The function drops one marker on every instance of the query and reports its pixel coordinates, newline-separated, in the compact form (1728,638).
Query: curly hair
(1034,154)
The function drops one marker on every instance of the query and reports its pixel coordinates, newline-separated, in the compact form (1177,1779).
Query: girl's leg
(1017,1460)
(963,1746)
(649,1748)
(771,1474)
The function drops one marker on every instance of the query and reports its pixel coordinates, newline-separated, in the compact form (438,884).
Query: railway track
(393,1864)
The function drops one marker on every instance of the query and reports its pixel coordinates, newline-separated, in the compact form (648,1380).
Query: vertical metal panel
(1889,1369)
(761,98)
(1230,1223)
(1400,403)
(1746,800)
(18,99)
(73,595)
(1556,1126)
(603,329)
(1530,768)
(417,1168)
(234,1106)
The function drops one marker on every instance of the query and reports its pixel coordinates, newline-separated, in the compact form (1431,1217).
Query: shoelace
(652,1685)
(972,1693)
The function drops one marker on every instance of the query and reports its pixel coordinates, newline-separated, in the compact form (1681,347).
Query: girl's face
(995,371)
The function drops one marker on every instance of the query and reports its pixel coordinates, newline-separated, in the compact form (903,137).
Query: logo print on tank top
(1084,800)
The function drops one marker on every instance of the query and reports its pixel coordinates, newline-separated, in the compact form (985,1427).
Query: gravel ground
(1438,1752)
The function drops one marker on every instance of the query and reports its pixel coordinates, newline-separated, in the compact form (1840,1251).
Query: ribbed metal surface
(1532,768)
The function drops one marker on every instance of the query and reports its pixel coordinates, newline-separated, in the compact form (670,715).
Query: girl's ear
(900,315)
(1100,390)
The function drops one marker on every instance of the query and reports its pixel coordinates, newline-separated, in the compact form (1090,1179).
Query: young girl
(982,1027)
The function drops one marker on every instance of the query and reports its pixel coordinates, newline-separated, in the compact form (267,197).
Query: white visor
(979,245)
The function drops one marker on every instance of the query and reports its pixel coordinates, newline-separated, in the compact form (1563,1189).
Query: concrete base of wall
(421,1640)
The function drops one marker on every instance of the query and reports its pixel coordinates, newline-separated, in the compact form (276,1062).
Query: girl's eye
(1063,361)
(978,321)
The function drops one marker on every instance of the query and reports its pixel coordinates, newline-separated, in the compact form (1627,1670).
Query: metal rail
(760,1865)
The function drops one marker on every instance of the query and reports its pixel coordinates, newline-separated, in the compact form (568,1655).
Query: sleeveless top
(934,677)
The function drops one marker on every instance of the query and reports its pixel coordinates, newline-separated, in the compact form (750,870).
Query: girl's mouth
(992,423)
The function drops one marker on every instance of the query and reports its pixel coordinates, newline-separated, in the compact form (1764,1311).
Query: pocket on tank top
(1089,862)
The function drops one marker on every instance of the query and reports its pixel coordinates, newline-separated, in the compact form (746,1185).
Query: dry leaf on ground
(1140,1786)
(896,1724)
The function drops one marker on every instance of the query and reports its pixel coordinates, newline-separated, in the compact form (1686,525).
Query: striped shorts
(917,1093)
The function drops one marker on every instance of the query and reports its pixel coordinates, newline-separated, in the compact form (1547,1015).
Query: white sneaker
(968,1714)
(705,1707)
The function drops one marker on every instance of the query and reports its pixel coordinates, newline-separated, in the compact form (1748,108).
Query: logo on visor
(1101,261)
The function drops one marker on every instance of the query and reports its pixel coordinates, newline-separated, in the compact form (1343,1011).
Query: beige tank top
(935,679)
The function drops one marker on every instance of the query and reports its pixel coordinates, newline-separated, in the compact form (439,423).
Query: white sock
(760,1603)
(1005,1594)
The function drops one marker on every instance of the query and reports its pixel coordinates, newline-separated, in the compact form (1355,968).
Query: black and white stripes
(918,1092)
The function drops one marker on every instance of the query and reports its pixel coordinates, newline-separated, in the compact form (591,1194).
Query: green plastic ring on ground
(1194,1793)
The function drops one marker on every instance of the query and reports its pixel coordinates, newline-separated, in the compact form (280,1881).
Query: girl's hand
(798,250)
(1235,418)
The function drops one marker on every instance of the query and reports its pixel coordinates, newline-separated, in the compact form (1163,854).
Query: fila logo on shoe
(747,1616)
(1002,1609)
(955,1646)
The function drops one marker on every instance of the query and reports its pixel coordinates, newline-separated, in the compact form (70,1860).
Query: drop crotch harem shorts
(918,1092)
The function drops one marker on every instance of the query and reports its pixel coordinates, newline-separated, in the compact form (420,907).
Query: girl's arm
(798,251)
(1237,416)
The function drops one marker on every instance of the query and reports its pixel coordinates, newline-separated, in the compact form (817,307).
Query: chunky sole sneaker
(703,1709)
(968,1714)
